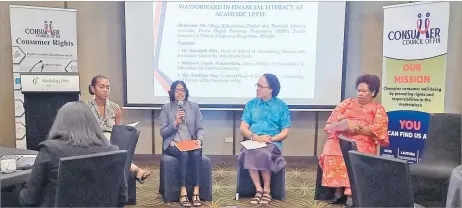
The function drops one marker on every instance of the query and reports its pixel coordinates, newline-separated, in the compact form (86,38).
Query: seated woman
(108,114)
(368,124)
(265,119)
(181,120)
(74,132)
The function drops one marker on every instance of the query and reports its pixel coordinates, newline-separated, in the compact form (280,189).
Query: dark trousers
(194,157)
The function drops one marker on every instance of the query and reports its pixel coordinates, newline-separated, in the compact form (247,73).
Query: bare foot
(142,174)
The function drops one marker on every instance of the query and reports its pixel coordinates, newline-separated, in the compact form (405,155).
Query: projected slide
(220,49)
(231,45)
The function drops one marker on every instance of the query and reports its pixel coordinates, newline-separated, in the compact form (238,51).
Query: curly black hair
(273,83)
(372,81)
(171,92)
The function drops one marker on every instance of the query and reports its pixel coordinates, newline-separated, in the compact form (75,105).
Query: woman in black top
(75,131)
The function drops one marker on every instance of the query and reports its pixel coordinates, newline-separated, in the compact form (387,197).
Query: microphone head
(180,103)
(40,61)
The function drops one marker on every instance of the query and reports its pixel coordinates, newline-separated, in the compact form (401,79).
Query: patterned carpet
(300,185)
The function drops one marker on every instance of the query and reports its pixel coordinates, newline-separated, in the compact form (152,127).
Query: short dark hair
(372,81)
(273,83)
(93,82)
(171,92)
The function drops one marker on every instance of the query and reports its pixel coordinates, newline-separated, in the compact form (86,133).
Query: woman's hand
(262,138)
(353,126)
(179,116)
(198,142)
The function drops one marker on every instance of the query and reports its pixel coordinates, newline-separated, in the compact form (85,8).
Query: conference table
(17,177)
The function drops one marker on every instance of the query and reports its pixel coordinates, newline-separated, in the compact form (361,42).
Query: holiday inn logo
(35,79)
(43,80)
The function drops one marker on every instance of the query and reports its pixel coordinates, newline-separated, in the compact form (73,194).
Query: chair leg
(236,197)
(161,174)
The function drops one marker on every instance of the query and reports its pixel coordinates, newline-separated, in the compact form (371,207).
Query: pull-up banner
(415,43)
(44,40)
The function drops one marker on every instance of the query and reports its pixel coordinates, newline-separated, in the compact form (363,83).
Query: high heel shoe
(338,199)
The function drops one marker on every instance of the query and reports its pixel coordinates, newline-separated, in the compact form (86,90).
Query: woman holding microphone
(181,120)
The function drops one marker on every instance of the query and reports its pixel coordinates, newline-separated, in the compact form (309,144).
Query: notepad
(133,124)
(187,145)
(22,161)
(250,144)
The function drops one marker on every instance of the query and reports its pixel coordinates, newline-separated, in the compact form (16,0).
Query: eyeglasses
(260,87)
(180,90)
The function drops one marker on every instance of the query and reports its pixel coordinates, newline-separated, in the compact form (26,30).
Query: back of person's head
(76,124)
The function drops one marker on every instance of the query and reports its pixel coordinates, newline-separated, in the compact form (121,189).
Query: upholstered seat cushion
(170,179)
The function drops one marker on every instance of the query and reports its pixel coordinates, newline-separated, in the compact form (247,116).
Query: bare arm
(246,120)
(245,129)
(118,116)
(281,136)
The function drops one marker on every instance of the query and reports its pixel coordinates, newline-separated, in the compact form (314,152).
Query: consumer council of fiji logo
(47,31)
(423,34)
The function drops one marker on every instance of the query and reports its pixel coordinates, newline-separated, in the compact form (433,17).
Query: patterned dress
(107,121)
(331,161)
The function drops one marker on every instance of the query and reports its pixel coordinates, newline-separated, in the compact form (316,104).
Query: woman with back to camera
(74,132)
(108,114)
(367,126)
(181,120)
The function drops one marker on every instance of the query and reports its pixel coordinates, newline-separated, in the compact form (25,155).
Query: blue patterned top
(267,117)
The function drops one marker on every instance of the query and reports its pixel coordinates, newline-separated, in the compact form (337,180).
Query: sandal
(186,202)
(196,200)
(257,198)
(266,198)
(143,177)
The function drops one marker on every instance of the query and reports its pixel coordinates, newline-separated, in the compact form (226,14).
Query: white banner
(44,40)
(415,46)
(41,82)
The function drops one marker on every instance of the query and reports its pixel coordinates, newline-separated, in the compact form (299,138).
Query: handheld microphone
(35,65)
(180,104)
